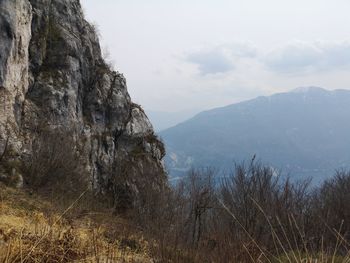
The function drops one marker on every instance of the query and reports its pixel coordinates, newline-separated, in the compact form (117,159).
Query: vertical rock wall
(52,75)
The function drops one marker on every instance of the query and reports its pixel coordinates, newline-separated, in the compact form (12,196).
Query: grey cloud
(241,49)
(296,57)
(220,59)
(302,57)
(211,62)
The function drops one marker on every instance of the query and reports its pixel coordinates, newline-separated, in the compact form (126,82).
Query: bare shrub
(331,206)
(5,149)
(54,163)
(10,165)
(182,216)
(254,214)
(200,194)
(244,186)
(267,209)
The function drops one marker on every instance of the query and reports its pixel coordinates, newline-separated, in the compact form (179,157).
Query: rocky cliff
(53,77)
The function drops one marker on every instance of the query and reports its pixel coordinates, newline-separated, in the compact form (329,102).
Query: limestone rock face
(52,74)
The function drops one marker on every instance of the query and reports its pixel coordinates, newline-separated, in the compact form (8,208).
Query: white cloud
(146,39)
(220,59)
(293,58)
(300,57)
(211,62)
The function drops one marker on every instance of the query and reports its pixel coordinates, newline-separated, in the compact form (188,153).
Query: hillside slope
(304,132)
(35,230)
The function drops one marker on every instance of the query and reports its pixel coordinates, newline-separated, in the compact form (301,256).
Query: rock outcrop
(52,75)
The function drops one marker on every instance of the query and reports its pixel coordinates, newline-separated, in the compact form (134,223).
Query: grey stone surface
(52,73)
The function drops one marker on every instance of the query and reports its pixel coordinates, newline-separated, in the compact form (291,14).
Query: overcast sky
(199,54)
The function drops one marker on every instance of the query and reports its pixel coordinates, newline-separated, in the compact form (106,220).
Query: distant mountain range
(304,133)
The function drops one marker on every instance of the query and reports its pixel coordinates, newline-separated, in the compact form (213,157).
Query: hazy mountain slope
(303,132)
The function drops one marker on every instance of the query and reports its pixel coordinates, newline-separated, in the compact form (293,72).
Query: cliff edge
(54,80)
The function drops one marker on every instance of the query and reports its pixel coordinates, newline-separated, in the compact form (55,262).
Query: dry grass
(81,229)
(288,254)
(32,230)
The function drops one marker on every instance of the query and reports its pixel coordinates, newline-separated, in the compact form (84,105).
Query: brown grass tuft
(32,230)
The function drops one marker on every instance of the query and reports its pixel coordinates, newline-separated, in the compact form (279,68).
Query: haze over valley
(304,133)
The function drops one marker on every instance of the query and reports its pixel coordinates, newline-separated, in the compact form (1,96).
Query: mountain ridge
(280,129)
